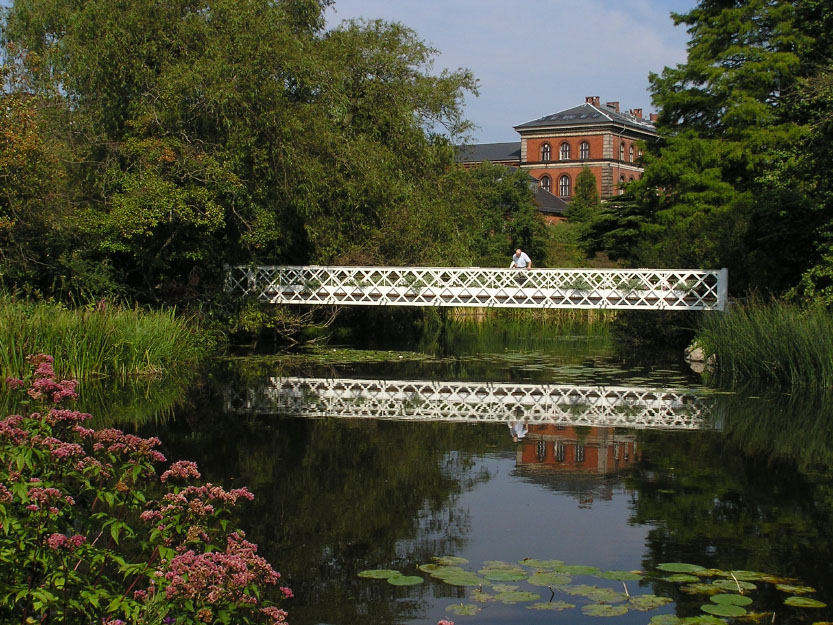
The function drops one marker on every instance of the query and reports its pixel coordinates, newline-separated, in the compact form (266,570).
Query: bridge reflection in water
(478,402)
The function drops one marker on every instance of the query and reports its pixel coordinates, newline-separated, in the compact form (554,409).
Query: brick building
(555,148)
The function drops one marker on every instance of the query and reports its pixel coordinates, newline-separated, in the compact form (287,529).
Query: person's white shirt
(520,260)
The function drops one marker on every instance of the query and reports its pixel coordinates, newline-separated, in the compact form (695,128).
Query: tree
(585,199)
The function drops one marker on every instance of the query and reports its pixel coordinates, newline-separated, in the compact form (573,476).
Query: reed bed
(97,341)
(776,342)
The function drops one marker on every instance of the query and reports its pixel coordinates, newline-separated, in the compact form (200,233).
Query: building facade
(554,149)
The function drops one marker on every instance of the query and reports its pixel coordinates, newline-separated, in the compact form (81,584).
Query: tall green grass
(775,342)
(97,340)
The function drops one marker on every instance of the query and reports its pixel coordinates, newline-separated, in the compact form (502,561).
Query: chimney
(613,105)
(637,113)
(654,117)
(592,99)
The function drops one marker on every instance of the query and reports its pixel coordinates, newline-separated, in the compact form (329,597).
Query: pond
(511,472)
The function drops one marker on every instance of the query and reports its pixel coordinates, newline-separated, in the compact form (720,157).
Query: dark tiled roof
(549,203)
(489,152)
(587,114)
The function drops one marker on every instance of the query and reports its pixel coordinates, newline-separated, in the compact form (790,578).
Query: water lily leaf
(466,578)
(481,597)
(666,491)
(578,569)
(499,564)
(549,578)
(405,580)
(681,577)
(723,609)
(621,576)
(730,584)
(496,575)
(710,573)
(379,573)
(504,587)
(732,599)
(516,596)
(701,589)
(747,576)
(441,572)
(665,619)
(603,609)
(541,564)
(449,560)
(795,590)
(606,595)
(643,603)
(679,567)
(804,602)
(555,606)
(463,609)
(703,619)
(579,589)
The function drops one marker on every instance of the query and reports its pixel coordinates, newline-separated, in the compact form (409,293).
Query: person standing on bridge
(520,260)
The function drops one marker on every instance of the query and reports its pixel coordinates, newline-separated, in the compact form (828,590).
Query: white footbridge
(613,289)
(478,402)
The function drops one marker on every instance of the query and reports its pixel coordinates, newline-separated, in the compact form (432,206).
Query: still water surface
(510,444)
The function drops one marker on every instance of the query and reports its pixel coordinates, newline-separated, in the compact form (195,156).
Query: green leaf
(732,599)
(804,602)
(379,573)
(461,609)
(603,609)
(723,609)
(679,567)
(405,580)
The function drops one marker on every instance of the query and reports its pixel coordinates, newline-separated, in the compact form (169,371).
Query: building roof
(489,152)
(585,114)
(548,203)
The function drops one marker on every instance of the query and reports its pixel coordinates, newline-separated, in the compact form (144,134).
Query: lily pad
(795,590)
(732,599)
(463,609)
(730,584)
(516,596)
(620,576)
(703,619)
(665,619)
(449,560)
(679,567)
(723,609)
(643,603)
(681,578)
(606,595)
(379,573)
(578,569)
(603,609)
(549,578)
(555,606)
(442,572)
(481,596)
(541,564)
(804,602)
(498,575)
(701,589)
(504,587)
(466,578)
(405,580)
(747,576)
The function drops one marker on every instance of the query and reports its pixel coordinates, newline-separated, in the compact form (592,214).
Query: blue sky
(536,57)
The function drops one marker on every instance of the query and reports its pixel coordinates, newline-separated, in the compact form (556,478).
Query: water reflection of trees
(401,481)
(758,496)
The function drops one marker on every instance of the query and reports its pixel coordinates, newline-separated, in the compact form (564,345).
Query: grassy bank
(775,342)
(104,340)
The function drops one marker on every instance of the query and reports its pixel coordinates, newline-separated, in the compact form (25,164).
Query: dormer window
(545,152)
(565,151)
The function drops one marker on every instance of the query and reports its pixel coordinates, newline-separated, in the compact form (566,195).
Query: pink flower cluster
(44,384)
(216,576)
(66,416)
(116,441)
(278,616)
(196,499)
(182,470)
(57,541)
(445,622)
(46,498)
(10,428)
(5,494)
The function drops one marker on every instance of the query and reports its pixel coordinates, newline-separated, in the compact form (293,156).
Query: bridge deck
(614,289)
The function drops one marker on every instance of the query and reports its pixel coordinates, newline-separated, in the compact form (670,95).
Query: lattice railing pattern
(615,289)
(432,400)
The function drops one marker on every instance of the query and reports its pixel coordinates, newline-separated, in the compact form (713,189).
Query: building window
(579,453)
(546,183)
(545,152)
(630,153)
(559,452)
(564,186)
(541,451)
(621,151)
(584,150)
(565,151)
(621,185)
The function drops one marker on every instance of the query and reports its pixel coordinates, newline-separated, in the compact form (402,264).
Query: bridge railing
(615,289)
(478,402)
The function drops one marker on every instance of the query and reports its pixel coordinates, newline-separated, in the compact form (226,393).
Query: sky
(537,57)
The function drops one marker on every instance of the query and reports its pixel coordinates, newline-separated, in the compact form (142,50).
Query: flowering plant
(90,533)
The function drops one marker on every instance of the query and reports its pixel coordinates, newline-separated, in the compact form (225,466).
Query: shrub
(90,534)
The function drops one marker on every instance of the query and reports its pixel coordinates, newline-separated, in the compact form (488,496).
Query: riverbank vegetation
(777,342)
(98,340)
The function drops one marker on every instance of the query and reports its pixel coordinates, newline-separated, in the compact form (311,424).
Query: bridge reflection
(479,402)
